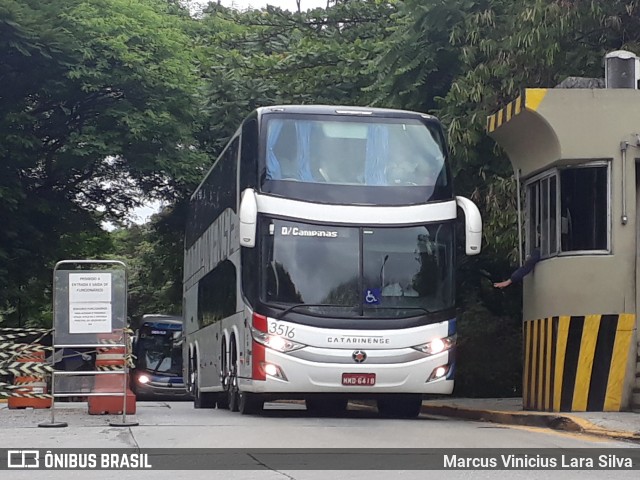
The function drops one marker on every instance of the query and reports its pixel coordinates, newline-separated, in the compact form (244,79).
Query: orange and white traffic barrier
(111,359)
(30,390)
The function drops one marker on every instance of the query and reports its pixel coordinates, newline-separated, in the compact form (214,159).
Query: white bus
(319,263)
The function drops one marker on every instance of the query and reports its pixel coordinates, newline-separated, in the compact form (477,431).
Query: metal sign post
(90,318)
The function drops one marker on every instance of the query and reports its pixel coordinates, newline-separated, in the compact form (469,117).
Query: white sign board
(90,302)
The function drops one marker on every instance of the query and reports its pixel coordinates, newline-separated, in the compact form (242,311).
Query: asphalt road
(284,426)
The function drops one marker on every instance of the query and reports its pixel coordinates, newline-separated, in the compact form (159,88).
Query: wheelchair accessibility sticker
(372,296)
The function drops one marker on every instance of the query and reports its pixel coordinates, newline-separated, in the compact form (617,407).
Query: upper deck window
(353,153)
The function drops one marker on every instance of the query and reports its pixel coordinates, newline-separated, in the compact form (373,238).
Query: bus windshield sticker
(372,296)
(299,232)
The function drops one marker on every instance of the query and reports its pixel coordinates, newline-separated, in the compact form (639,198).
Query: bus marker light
(258,354)
(259,322)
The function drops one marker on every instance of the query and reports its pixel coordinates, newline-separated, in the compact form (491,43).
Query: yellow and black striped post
(576,363)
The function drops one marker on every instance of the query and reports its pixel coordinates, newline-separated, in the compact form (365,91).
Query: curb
(566,423)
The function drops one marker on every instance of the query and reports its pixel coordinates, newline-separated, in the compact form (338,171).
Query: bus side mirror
(248,218)
(473,226)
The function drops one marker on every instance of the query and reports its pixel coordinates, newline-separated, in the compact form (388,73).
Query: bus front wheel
(400,406)
(249,403)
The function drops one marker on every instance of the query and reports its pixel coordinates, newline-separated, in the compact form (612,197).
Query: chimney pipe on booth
(621,69)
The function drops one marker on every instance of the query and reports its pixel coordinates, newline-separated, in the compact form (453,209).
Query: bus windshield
(354,153)
(357,271)
(159,352)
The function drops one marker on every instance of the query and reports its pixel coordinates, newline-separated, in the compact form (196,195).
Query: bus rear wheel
(234,398)
(223,400)
(233,395)
(400,406)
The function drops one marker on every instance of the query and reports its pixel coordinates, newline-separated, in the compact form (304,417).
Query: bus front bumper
(302,376)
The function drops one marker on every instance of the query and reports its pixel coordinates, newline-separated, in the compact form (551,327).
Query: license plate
(358,379)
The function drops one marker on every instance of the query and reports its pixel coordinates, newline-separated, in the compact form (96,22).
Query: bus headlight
(275,342)
(437,345)
(143,379)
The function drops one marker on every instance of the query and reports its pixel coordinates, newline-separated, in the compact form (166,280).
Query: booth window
(568,210)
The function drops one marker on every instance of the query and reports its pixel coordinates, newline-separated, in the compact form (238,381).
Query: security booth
(575,153)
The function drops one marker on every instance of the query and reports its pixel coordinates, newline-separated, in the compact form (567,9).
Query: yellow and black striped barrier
(530,99)
(576,363)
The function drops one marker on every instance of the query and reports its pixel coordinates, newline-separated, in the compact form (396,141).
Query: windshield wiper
(422,309)
(298,305)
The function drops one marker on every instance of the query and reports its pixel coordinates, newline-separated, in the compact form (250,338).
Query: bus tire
(223,396)
(325,407)
(204,400)
(234,398)
(232,393)
(400,406)
(223,400)
(201,399)
(249,403)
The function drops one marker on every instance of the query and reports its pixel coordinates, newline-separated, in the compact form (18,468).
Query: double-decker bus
(319,262)
(157,351)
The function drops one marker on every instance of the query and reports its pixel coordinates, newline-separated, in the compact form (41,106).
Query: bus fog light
(143,379)
(438,372)
(437,345)
(273,370)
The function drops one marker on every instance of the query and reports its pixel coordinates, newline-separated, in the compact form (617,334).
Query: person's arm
(521,272)
(503,284)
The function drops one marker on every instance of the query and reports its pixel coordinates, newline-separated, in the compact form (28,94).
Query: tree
(464,59)
(153,254)
(270,56)
(97,108)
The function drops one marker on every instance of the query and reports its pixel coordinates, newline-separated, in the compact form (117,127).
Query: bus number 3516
(282,330)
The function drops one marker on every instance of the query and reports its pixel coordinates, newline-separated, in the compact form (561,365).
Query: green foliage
(153,254)
(489,355)
(270,56)
(97,107)
(106,100)
(462,60)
